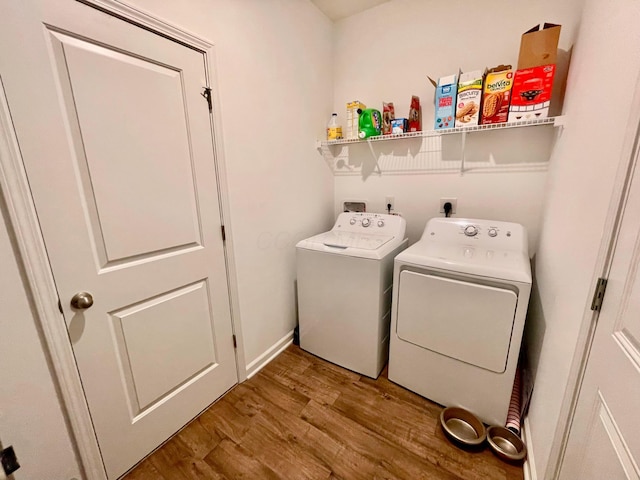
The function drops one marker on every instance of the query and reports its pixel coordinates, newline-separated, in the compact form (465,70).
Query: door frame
(627,162)
(34,259)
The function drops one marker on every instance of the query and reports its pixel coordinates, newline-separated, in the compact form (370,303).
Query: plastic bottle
(369,123)
(334,129)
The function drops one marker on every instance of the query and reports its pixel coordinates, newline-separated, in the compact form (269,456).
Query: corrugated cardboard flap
(539,46)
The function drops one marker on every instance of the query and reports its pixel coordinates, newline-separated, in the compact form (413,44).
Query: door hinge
(60,306)
(235,343)
(598,295)
(224,234)
(207,94)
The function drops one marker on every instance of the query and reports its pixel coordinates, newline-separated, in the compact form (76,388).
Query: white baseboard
(529,466)
(271,353)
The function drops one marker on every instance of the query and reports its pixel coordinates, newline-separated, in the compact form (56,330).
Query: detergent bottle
(369,122)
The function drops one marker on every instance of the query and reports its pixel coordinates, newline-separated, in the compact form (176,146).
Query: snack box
(446,92)
(469,99)
(533,81)
(399,125)
(496,95)
(531,93)
(415,115)
(388,114)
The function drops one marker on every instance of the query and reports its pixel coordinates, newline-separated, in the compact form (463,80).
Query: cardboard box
(399,125)
(533,82)
(388,114)
(445,101)
(415,115)
(469,99)
(496,94)
(351,131)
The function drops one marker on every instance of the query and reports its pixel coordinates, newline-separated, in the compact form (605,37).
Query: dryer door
(462,320)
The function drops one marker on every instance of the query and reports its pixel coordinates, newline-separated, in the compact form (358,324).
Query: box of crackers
(496,94)
(469,99)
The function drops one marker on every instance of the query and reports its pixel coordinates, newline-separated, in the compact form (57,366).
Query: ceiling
(338,9)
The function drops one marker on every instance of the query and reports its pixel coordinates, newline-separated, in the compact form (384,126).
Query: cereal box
(352,119)
(496,94)
(469,98)
(445,102)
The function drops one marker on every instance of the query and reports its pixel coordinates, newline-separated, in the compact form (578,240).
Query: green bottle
(369,122)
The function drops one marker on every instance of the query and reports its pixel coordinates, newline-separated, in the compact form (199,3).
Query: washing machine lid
(364,235)
(354,240)
(470,259)
(351,244)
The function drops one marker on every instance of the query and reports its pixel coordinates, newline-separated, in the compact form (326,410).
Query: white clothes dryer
(459,304)
(344,290)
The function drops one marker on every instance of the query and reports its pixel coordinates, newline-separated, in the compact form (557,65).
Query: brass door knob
(82,300)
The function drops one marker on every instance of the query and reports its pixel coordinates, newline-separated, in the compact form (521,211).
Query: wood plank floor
(304,418)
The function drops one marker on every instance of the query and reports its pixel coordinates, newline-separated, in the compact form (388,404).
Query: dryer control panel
(371,223)
(482,233)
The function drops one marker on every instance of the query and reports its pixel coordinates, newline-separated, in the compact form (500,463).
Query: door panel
(120,149)
(606,454)
(152,336)
(117,145)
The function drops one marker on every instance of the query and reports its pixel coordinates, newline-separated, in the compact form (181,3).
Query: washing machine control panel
(371,223)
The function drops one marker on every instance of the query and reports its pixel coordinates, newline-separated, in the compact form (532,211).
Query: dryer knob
(493,232)
(381,223)
(366,222)
(352,221)
(471,231)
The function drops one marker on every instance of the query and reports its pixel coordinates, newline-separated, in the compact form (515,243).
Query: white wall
(386,53)
(31,418)
(274,70)
(582,175)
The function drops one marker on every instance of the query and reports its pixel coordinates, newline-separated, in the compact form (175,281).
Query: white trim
(529,465)
(149,21)
(601,269)
(223,197)
(24,221)
(271,353)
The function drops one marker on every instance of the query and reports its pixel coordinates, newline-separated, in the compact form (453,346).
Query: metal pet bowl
(462,426)
(506,444)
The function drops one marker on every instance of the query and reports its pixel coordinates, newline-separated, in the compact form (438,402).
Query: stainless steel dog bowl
(506,444)
(462,426)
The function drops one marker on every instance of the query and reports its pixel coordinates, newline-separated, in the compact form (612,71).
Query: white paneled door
(117,143)
(604,442)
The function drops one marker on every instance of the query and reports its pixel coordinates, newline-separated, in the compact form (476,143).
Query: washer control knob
(381,223)
(471,231)
(352,221)
(493,232)
(366,222)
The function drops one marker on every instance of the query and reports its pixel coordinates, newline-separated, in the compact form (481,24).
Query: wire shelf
(556,121)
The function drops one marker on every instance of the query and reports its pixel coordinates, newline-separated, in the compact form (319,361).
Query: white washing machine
(459,305)
(344,290)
